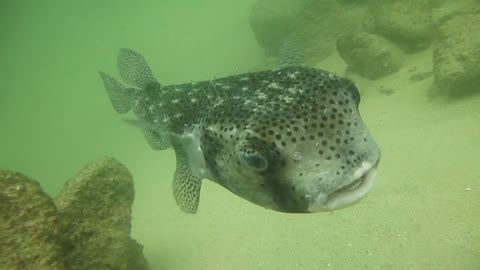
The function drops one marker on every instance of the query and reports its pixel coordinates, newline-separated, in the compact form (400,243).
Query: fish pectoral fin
(155,140)
(154,134)
(186,187)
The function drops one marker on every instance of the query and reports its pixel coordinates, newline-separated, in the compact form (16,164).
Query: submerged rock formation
(456,56)
(371,36)
(30,236)
(406,22)
(315,23)
(95,213)
(86,227)
(272,20)
(368,55)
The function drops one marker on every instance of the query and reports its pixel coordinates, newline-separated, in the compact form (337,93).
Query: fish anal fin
(155,140)
(186,187)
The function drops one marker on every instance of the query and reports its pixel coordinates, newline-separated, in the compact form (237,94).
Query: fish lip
(348,194)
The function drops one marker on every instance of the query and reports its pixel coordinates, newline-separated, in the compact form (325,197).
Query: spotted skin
(289,139)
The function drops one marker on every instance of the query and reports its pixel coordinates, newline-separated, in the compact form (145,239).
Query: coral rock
(29,225)
(368,55)
(407,22)
(95,211)
(456,56)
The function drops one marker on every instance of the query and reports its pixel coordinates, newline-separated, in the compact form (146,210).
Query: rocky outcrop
(272,20)
(30,236)
(456,57)
(406,22)
(136,260)
(86,227)
(315,23)
(95,213)
(368,55)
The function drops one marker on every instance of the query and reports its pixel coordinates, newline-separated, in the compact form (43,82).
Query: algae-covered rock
(95,212)
(368,55)
(456,56)
(272,20)
(315,23)
(136,260)
(29,226)
(407,22)
(89,228)
(449,9)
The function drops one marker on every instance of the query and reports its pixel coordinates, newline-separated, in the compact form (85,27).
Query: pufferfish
(289,139)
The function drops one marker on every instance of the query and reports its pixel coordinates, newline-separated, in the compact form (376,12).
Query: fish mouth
(350,193)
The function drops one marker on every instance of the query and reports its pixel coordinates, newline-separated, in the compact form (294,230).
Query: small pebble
(421,76)
(386,91)
(297,156)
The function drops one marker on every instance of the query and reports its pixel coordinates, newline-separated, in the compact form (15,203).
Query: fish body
(289,139)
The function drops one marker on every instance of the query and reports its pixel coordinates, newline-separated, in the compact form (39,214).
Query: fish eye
(254,160)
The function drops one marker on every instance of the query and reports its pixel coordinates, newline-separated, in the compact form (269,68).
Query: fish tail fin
(120,96)
(134,69)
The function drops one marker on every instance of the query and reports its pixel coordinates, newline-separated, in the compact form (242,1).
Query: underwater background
(423,212)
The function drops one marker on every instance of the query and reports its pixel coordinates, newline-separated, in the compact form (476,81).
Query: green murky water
(423,213)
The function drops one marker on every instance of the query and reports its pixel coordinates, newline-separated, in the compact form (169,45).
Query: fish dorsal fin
(134,69)
(156,141)
(290,51)
(186,187)
(119,94)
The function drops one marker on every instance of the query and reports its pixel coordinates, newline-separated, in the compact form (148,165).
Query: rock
(316,23)
(29,225)
(95,212)
(368,55)
(89,228)
(406,22)
(456,55)
(272,20)
(453,8)
(136,260)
